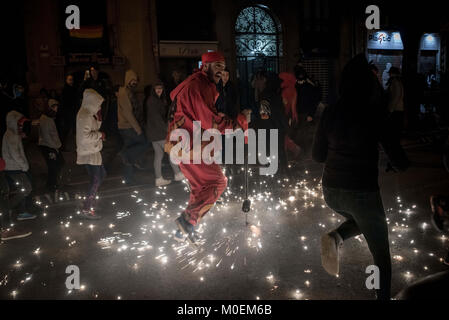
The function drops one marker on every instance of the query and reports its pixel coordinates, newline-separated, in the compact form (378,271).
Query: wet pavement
(131,253)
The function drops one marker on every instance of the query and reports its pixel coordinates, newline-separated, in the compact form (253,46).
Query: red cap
(212,57)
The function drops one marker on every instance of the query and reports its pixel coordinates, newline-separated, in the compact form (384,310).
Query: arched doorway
(258,42)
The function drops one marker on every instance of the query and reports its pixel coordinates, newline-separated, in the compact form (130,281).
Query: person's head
(273,83)
(213,64)
(53,106)
(131,80)
(176,75)
(53,94)
(159,89)
(44,93)
(356,79)
(94,72)
(301,75)
(225,76)
(374,69)
(18,91)
(69,80)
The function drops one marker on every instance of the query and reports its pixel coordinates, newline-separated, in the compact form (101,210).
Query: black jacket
(156,118)
(69,101)
(308,98)
(227,100)
(347,141)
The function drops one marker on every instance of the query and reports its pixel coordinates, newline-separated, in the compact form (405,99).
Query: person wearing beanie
(195,100)
(49,143)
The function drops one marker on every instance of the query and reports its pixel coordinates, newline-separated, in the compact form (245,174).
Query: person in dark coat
(156,131)
(272,116)
(308,98)
(227,104)
(347,141)
(66,117)
(227,99)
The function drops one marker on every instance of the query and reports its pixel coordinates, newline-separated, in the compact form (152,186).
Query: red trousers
(207,183)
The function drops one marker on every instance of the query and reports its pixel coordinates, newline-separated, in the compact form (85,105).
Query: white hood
(11,121)
(92,101)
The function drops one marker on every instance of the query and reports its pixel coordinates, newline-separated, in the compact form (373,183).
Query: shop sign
(86,58)
(385,40)
(185,49)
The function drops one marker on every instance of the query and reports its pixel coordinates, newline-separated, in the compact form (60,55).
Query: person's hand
(221,114)
(139,132)
(309,119)
(247,113)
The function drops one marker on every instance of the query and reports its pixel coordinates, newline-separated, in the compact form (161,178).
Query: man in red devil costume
(195,101)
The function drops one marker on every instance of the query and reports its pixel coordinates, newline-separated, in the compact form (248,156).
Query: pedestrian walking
(7,229)
(17,167)
(68,109)
(395,96)
(130,124)
(50,145)
(89,142)
(308,98)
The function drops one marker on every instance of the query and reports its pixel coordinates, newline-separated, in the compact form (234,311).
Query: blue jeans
(134,147)
(364,213)
(96,175)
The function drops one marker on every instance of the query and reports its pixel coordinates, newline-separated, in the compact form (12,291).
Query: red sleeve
(194,106)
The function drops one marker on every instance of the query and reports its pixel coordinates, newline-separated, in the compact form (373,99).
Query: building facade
(156,37)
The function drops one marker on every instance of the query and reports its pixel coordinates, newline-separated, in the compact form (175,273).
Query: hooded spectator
(130,123)
(16,165)
(50,144)
(69,108)
(89,142)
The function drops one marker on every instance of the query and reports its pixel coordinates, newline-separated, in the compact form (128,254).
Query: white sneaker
(179,176)
(162,182)
(330,245)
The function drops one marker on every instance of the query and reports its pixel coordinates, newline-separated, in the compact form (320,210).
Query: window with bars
(257,33)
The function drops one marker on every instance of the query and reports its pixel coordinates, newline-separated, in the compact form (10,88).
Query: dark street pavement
(131,253)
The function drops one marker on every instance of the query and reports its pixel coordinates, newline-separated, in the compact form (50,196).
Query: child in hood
(49,143)
(16,164)
(89,142)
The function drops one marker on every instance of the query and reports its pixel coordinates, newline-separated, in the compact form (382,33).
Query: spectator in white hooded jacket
(89,142)
(16,165)
(49,143)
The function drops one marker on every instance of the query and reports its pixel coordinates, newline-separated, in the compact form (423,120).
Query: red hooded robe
(196,98)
